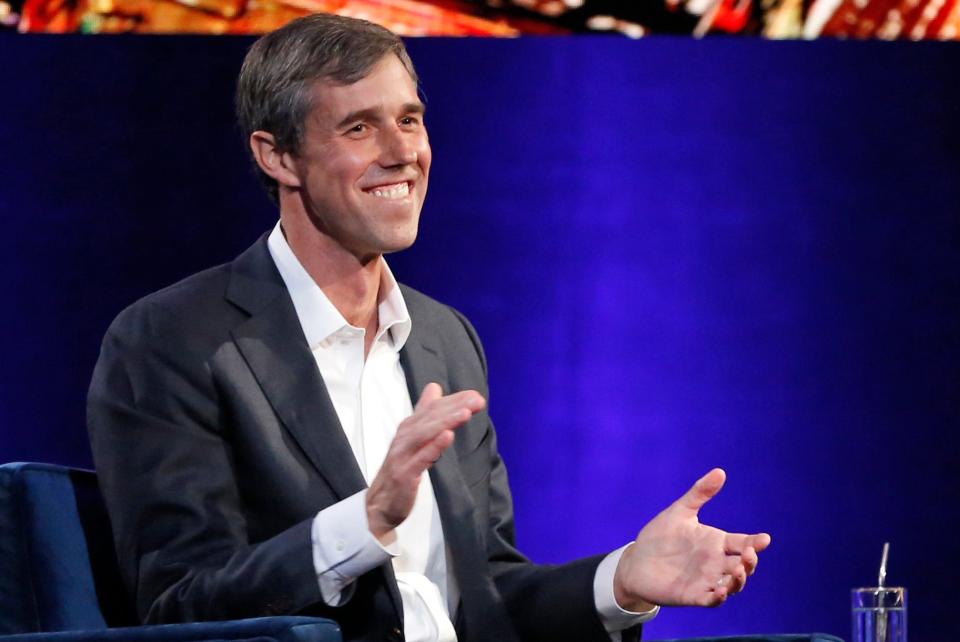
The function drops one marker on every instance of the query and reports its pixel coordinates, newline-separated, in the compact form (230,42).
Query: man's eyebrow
(374,113)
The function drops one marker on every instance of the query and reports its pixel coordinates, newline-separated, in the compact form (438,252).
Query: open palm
(677,561)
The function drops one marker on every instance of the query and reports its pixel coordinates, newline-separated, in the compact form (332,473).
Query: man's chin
(386,244)
(400,244)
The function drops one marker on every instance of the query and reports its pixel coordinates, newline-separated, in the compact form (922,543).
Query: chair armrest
(763,637)
(262,629)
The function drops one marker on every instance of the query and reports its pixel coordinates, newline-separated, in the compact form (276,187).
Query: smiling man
(294,432)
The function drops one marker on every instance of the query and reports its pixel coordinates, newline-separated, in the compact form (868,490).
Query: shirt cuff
(613,617)
(344,548)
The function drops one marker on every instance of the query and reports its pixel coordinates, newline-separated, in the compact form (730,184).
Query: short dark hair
(273,90)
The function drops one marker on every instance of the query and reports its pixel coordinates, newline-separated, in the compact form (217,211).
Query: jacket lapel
(422,362)
(272,343)
(481,615)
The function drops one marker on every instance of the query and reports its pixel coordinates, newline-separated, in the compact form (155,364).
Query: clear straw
(881,581)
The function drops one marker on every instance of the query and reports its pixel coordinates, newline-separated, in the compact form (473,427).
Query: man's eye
(408,120)
(359,128)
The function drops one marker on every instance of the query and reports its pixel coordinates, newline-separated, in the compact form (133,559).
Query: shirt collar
(318,317)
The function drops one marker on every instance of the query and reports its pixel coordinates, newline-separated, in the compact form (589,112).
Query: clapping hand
(420,440)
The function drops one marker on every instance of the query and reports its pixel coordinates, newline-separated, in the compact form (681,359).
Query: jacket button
(396,634)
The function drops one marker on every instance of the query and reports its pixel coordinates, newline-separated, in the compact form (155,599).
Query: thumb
(431,392)
(703,490)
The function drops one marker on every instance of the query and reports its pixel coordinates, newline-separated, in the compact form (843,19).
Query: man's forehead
(387,84)
(388,76)
(388,68)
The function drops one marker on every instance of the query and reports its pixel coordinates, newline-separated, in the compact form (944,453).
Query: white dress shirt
(371,399)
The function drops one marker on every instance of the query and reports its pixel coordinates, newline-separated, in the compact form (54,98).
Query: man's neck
(352,284)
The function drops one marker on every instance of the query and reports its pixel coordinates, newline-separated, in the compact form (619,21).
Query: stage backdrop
(679,255)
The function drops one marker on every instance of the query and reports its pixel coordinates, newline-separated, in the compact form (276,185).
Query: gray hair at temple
(273,90)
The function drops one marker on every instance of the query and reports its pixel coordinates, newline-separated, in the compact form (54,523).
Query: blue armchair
(59,580)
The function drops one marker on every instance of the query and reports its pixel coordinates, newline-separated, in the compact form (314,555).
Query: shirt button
(340,546)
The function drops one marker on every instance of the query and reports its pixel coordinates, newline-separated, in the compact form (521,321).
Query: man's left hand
(677,561)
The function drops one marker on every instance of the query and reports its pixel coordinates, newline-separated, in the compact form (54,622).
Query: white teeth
(400,190)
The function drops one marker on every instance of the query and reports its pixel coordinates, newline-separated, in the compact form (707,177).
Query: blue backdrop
(679,254)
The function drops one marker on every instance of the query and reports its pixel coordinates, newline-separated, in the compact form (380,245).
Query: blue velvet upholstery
(264,629)
(59,579)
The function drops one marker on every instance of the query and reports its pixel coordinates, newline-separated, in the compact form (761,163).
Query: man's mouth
(391,192)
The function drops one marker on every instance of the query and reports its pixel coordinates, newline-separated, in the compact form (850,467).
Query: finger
(761,541)
(431,392)
(736,543)
(714,597)
(436,435)
(446,413)
(737,583)
(434,415)
(750,560)
(703,490)
(734,575)
(419,444)
(409,465)
(470,399)
(423,436)
(432,399)
(432,450)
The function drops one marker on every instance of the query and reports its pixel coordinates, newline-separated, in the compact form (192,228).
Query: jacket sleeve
(164,465)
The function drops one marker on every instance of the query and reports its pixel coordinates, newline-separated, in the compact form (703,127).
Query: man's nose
(399,148)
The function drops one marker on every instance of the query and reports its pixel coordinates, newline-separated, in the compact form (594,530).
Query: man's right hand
(420,440)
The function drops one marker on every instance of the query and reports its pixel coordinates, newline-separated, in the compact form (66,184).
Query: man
(254,426)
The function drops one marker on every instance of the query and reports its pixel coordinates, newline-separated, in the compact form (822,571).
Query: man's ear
(275,163)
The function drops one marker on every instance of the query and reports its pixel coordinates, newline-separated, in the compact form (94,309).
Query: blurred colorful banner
(884,19)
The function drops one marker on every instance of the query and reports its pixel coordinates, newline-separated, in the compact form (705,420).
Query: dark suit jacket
(216,443)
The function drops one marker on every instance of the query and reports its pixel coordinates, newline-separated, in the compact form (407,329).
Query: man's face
(364,161)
